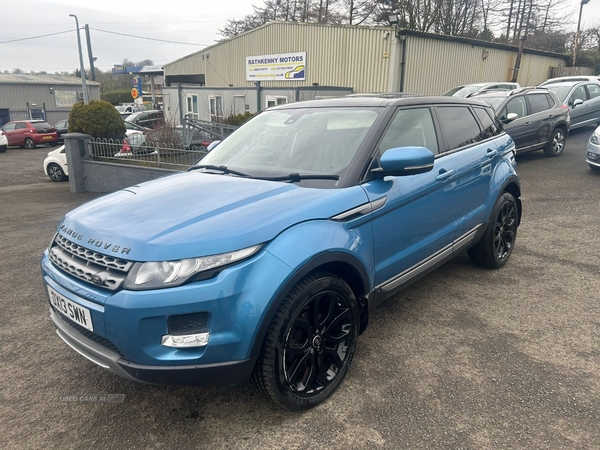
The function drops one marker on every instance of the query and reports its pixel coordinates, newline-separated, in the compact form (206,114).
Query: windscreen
(494,102)
(561,90)
(320,141)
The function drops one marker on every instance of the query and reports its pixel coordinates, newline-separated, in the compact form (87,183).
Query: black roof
(381,100)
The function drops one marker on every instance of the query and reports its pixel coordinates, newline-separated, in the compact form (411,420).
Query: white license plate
(73,311)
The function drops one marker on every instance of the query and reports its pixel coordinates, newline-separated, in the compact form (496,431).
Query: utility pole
(81,66)
(89,47)
(583,2)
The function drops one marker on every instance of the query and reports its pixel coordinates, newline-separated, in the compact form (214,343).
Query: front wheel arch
(341,264)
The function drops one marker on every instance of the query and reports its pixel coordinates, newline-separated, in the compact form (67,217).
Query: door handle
(526,123)
(444,175)
(550,116)
(491,153)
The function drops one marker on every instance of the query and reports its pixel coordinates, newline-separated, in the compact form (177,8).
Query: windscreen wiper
(293,177)
(223,169)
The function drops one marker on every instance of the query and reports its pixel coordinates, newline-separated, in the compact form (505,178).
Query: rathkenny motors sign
(284,67)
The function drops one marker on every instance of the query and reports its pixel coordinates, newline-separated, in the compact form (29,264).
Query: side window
(593,90)
(537,103)
(550,100)
(9,127)
(578,94)
(489,127)
(459,126)
(410,127)
(20,126)
(517,106)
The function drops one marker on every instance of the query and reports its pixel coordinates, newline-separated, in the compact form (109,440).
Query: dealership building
(283,62)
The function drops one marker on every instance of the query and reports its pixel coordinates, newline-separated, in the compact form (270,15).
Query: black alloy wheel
(497,244)
(310,343)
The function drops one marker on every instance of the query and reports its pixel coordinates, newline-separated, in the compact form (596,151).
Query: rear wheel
(310,343)
(56,173)
(29,143)
(497,243)
(556,144)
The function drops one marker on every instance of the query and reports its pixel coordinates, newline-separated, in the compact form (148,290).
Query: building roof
(400,31)
(42,79)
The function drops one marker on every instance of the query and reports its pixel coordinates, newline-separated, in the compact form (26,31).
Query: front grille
(100,270)
(88,334)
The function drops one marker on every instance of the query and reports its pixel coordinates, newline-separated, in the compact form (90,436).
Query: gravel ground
(464,359)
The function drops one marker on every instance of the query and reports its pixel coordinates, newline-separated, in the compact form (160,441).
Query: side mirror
(577,102)
(510,117)
(404,161)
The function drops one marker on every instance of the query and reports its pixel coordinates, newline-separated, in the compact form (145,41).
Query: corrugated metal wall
(356,57)
(360,57)
(434,66)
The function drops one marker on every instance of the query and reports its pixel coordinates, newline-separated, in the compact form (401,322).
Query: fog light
(593,156)
(185,340)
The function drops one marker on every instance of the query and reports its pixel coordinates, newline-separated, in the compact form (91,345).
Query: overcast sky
(187,21)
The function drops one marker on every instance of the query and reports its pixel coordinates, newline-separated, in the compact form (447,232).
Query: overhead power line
(148,38)
(36,37)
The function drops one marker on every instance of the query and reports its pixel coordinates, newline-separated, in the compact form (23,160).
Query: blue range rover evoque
(264,260)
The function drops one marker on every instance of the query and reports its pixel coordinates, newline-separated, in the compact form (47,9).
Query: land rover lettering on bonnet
(263,260)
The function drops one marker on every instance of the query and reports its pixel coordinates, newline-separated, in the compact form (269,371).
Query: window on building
(274,100)
(216,108)
(192,106)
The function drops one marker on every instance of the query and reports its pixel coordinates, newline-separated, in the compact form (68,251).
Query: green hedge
(99,119)
(117,97)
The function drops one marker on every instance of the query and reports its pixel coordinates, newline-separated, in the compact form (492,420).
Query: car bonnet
(196,214)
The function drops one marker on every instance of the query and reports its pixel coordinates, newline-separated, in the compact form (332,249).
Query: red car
(29,133)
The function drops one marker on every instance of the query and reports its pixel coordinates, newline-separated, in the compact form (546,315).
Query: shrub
(99,119)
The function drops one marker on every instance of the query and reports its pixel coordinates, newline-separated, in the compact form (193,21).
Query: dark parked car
(61,127)
(147,119)
(582,98)
(29,133)
(469,90)
(534,117)
(264,260)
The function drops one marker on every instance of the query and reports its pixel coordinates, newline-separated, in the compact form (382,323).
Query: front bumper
(128,326)
(223,374)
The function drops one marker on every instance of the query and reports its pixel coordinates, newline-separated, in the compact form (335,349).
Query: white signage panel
(286,66)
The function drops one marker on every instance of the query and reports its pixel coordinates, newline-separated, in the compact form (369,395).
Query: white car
(3,142)
(593,151)
(571,78)
(55,165)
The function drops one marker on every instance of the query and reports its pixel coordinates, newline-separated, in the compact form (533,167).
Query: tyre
(497,243)
(310,343)
(29,143)
(3,148)
(56,173)
(556,144)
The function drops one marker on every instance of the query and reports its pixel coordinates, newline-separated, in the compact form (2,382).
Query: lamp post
(81,68)
(583,2)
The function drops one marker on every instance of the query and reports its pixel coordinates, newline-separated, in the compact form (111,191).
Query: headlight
(163,274)
(595,139)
